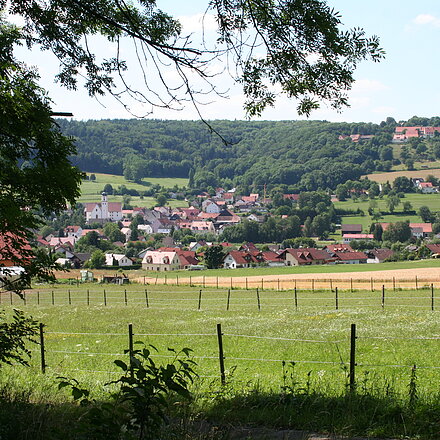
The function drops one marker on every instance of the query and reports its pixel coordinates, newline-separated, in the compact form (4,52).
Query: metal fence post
(220,354)
(130,347)
(42,351)
(352,378)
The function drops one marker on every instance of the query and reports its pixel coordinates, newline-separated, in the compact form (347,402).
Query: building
(104,211)
(305,256)
(118,260)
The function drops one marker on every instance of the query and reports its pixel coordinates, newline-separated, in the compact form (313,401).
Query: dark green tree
(399,231)
(214,256)
(426,214)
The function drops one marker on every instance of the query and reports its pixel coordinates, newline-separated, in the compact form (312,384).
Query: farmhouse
(379,255)
(348,257)
(236,259)
(305,256)
(347,238)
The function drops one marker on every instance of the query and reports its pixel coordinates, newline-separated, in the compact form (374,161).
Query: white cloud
(427,19)
(198,23)
(368,85)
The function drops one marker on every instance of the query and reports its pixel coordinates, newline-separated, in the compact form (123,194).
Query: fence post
(190,281)
(296,299)
(166,281)
(262,284)
(351,285)
(200,299)
(24,298)
(331,285)
(246,284)
(258,299)
(146,298)
(125,297)
(88,297)
(204,281)
(38,297)
(220,354)
(278,285)
(336,298)
(53,298)
(432,297)
(10,297)
(229,297)
(371,283)
(144,281)
(105,298)
(177,280)
(130,347)
(217,282)
(417,287)
(70,298)
(352,378)
(231,282)
(313,286)
(394,284)
(383,296)
(42,351)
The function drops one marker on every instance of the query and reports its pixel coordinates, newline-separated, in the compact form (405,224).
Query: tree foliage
(297,47)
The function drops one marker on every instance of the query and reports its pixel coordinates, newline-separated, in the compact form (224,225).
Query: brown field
(390,176)
(401,278)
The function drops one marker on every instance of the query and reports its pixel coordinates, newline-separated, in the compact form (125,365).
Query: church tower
(104,206)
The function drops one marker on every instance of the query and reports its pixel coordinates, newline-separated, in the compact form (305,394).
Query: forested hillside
(305,155)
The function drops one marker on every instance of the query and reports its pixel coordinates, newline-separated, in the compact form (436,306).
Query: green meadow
(416,200)
(286,357)
(91,189)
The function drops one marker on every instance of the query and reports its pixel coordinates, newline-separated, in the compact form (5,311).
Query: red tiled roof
(339,247)
(347,256)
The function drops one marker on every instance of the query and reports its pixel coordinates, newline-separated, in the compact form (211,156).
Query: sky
(402,85)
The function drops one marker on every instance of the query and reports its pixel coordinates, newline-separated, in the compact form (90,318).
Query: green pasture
(416,200)
(260,331)
(91,190)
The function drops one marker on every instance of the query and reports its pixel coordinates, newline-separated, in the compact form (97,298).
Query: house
(272,258)
(73,231)
(63,241)
(418,230)
(104,211)
(350,257)
(168,260)
(236,259)
(427,187)
(305,256)
(14,251)
(340,247)
(118,260)
(351,229)
(202,226)
(379,255)
(402,134)
(347,238)
(210,206)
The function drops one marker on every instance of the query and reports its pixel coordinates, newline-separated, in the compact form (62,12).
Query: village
(203,224)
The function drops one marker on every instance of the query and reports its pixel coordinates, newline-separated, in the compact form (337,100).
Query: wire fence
(218,352)
(191,298)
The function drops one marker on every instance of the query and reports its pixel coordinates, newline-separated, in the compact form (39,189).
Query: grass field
(271,343)
(91,190)
(416,200)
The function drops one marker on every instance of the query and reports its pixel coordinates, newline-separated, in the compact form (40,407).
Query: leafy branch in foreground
(138,407)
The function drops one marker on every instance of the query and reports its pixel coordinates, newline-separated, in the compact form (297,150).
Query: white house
(118,260)
(104,211)
(210,207)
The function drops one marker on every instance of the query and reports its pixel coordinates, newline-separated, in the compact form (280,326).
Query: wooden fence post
(351,285)
(331,285)
(313,286)
(130,347)
(38,297)
(24,298)
(394,284)
(383,296)
(146,298)
(105,298)
(417,286)
(371,283)
(203,281)
(296,299)
(258,300)
(88,297)
(53,298)
(217,282)
(246,283)
(336,298)
(42,351)
(278,288)
(220,354)
(125,297)
(70,298)
(177,280)
(352,378)
(432,297)
(229,297)
(262,284)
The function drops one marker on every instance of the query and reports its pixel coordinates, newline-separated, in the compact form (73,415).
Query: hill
(303,155)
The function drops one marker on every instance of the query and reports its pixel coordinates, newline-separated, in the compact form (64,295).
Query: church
(103,212)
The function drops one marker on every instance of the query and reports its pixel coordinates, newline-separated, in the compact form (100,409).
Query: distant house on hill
(351,229)
(305,256)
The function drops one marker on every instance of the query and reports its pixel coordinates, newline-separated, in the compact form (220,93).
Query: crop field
(391,175)
(269,337)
